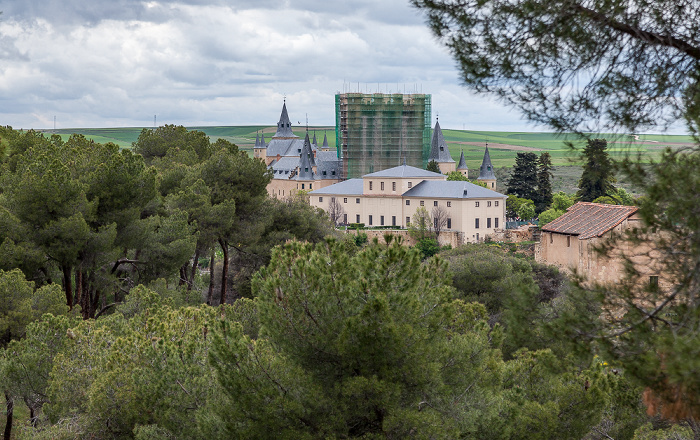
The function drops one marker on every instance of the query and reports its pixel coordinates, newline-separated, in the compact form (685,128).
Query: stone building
(391,197)
(570,243)
(296,164)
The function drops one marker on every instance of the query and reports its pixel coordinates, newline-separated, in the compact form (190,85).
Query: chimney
(278,157)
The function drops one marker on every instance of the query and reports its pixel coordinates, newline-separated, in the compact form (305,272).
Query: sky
(119,63)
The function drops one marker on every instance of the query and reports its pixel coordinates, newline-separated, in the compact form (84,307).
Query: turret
(440,152)
(486,173)
(462,166)
(284,126)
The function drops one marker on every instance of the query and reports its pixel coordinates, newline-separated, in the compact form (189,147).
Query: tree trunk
(195,264)
(183,274)
(78,287)
(8,419)
(224,271)
(211,277)
(68,285)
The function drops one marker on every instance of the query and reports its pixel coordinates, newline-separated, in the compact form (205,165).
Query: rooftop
(350,187)
(588,220)
(404,171)
(450,190)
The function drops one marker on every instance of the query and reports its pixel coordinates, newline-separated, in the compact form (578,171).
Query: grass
(503,146)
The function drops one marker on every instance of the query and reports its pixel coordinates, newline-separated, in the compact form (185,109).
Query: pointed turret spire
(284,126)
(462,163)
(325,142)
(306,161)
(486,169)
(257,140)
(313,142)
(262,141)
(439,151)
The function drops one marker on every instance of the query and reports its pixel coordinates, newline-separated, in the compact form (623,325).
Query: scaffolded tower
(378,131)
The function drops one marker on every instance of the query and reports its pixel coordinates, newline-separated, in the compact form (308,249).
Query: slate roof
(404,171)
(284,126)
(439,151)
(306,161)
(588,220)
(285,147)
(486,169)
(462,163)
(350,187)
(451,190)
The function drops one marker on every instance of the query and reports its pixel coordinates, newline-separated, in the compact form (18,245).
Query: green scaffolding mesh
(378,131)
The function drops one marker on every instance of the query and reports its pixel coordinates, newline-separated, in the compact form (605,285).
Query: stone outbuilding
(570,242)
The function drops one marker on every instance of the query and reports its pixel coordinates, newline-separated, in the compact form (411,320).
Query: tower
(486,173)
(462,166)
(440,152)
(376,131)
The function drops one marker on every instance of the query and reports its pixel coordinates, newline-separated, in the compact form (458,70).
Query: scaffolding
(378,131)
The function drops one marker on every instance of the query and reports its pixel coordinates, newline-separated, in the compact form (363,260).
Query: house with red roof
(571,242)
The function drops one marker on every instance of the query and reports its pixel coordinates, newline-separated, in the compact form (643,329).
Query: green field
(503,145)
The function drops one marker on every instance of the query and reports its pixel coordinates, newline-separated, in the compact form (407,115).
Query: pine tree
(433,166)
(523,180)
(597,178)
(544,184)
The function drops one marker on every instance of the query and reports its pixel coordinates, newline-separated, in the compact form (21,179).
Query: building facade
(570,242)
(296,164)
(378,131)
(391,197)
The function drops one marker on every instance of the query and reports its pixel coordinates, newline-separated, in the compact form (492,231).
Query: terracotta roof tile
(589,220)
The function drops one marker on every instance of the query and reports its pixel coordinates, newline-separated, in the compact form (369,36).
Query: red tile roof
(589,220)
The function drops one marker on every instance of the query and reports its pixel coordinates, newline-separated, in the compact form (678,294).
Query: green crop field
(503,145)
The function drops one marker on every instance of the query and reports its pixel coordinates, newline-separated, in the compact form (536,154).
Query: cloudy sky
(114,63)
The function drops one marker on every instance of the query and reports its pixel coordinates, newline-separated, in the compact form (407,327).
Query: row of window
(381,185)
(488,223)
(408,201)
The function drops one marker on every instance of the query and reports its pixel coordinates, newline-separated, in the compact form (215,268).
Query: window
(476,223)
(476,204)
(370,185)
(345,200)
(381,220)
(393,186)
(311,186)
(333,173)
(324,173)
(449,204)
(449,223)
(551,237)
(408,221)
(410,184)
(306,170)
(357,200)
(488,204)
(435,221)
(381,186)
(488,223)
(422,203)
(393,220)
(654,281)
(302,186)
(495,221)
(345,219)
(496,202)
(357,218)
(435,203)
(492,184)
(408,203)
(320,199)
(568,241)
(370,220)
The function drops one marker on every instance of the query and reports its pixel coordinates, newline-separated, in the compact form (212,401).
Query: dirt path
(500,146)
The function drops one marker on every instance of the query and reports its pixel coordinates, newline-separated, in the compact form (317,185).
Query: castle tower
(439,151)
(284,126)
(486,173)
(462,166)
